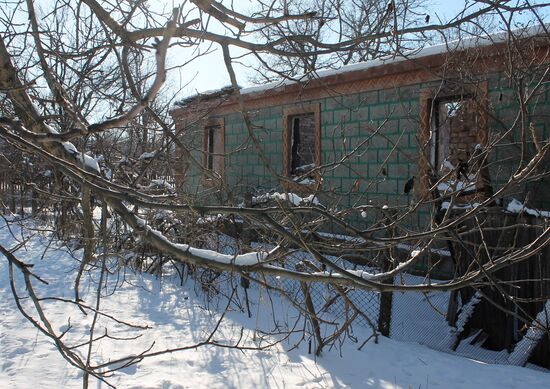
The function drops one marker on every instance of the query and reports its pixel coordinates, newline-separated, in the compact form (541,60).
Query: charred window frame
(302,142)
(213,149)
(210,139)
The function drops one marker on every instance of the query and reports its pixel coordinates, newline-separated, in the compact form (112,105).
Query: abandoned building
(365,130)
(393,131)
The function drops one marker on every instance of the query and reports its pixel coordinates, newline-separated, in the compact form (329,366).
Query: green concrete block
(351,101)
(389,95)
(407,92)
(368,98)
(332,103)
(341,116)
(378,142)
(359,114)
(276,112)
(327,118)
(378,112)
(399,110)
(391,126)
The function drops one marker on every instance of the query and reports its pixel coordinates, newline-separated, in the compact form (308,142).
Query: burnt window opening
(210,147)
(301,147)
(454,132)
(302,143)
(213,149)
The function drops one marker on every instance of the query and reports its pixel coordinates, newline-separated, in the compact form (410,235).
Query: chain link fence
(339,304)
(413,316)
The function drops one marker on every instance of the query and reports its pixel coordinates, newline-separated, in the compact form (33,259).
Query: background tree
(81,87)
(338,22)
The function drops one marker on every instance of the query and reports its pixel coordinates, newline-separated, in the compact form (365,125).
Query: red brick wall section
(468,127)
(424,124)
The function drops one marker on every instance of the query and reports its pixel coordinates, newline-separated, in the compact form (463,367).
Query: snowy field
(179,316)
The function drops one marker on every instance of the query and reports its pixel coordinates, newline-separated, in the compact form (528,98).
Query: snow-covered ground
(179,316)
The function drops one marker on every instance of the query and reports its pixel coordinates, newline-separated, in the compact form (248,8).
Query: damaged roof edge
(224,92)
(447,47)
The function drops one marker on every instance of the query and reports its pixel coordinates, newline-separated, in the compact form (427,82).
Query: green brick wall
(346,121)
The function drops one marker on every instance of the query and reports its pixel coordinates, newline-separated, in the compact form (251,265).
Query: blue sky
(209,72)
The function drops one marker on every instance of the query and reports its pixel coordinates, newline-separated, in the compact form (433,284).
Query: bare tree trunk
(386,298)
(88,236)
(312,318)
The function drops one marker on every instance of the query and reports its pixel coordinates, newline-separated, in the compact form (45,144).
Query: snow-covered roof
(450,46)
(455,45)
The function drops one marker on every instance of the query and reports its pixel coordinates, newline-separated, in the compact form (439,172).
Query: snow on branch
(248,259)
(147,155)
(304,180)
(158,183)
(17,129)
(515,206)
(452,186)
(292,198)
(447,205)
(378,276)
(90,164)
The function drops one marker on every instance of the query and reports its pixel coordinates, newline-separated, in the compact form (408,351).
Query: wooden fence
(515,294)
